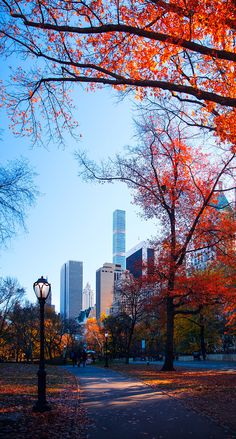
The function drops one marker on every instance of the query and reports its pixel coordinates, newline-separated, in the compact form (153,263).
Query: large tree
(178,185)
(184,49)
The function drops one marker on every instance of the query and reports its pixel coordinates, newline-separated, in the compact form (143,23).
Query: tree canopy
(183,50)
(178,185)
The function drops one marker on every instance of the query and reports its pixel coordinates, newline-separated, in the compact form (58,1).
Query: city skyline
(72,219)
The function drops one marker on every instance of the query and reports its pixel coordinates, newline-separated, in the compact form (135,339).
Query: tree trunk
(169,353)
(129,343)
(202,338)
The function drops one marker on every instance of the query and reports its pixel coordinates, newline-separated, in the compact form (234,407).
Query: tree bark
(169,357)
(202,340)
(129,343)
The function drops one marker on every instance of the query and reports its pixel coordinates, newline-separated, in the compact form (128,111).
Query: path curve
(120,407)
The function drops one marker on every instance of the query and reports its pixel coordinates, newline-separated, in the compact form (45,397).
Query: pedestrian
(73,357)
(84,357)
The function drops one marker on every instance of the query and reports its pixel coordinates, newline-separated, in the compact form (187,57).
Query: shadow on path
(121,407)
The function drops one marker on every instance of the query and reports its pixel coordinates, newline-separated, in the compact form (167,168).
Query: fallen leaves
(211,392)
(18,394)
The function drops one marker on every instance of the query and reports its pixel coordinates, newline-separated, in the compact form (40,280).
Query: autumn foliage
(179,185)
(182,50)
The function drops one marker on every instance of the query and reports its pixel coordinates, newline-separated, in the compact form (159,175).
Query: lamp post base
(39,407)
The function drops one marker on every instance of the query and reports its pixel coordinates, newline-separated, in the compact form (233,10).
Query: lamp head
(42,288)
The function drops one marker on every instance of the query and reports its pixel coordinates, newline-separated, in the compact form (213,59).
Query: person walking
(73,357)
(84,357)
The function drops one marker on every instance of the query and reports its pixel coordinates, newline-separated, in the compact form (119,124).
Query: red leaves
(210,392)
(18,394)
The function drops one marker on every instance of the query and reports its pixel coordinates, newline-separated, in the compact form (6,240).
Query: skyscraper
(88,297)
(199,259)
(140,259)
(119,238)
(106,277)
(71,289)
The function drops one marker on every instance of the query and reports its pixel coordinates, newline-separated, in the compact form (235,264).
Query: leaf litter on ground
(210,392)
(18,394)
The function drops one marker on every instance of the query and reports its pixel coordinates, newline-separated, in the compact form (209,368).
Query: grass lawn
(212,393)
(18,393)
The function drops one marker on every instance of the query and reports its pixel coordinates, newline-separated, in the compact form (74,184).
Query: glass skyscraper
(140,260)
(71,289)
(119,238)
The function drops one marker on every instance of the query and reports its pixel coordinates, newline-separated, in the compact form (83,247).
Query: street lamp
(42,289)
(106,357)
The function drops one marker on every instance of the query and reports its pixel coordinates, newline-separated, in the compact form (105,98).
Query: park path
(121,407)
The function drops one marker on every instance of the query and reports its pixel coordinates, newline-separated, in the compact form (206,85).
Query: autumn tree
(17,193)
(71,330)
(178,185)
(182,50)
(53,333)
(118,327)
(11,293)
(94,335)
(133,297)
(203,332)
(23,332)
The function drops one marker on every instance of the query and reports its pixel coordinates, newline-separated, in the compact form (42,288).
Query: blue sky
(72,219)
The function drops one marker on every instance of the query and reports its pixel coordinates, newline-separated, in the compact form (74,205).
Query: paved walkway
(121,407)
(207,364)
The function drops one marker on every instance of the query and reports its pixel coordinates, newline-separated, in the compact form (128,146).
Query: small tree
(53,333)
(94,335)
(72,329)
(23,331)
(118,326)
(133,296)
(11,293)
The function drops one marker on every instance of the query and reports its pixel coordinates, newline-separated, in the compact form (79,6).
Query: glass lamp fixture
(42,288)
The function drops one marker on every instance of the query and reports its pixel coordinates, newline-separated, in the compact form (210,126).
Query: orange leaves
(226,127)
(187,48)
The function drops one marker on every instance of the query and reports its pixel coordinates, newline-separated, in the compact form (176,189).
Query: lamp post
(106,357)
(42,289)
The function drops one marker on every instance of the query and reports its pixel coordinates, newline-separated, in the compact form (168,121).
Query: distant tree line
(19,327)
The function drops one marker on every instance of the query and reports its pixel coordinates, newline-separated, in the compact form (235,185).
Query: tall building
(106,277)
(139,259)
(119,238)
(71,289)
(88,297)
(199,259)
